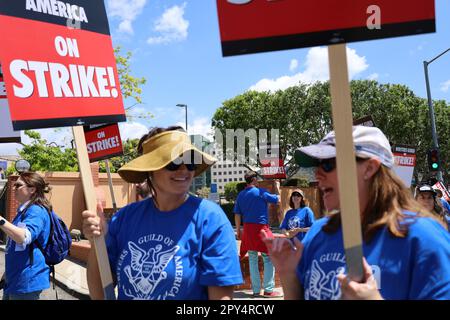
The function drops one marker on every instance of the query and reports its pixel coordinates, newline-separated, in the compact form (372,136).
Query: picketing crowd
(173,245)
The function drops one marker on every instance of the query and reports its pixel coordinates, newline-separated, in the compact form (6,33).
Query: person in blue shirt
(169,246)
(251,208)
(26,274)
(444,202)
(299,218)
(406,249)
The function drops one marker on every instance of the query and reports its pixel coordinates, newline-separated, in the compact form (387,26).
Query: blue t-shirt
(174,255)
(21,277)
(414,267)
(252,202)
(445,205)
(298,218)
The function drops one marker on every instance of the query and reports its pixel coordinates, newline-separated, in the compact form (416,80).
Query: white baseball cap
(369,142)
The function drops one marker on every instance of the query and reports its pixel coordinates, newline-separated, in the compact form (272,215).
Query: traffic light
(433,159)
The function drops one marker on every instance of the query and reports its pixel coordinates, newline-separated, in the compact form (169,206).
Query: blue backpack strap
(36,242)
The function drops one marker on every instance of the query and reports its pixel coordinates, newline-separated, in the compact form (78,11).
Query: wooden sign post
(341,104)
(91,204)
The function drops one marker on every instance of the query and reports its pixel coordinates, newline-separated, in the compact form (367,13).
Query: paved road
(46,294)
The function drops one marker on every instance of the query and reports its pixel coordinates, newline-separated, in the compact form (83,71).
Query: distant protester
(298,220)
(427,198)
(251,208)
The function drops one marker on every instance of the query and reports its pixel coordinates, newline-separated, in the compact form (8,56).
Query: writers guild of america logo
(147,270)
(294,222)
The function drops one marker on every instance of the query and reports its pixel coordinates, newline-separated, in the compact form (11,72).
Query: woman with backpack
(26,273)
(171,245)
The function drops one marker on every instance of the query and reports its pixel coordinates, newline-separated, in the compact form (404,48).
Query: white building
(224,171)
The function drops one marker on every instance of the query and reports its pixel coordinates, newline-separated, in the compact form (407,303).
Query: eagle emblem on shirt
(323,286)
(146,269)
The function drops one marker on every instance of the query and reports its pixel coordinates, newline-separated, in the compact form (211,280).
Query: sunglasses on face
(329,165)
(18,185)
(174,167)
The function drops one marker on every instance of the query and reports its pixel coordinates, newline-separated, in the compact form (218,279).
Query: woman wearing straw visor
(170,245)
(406,249)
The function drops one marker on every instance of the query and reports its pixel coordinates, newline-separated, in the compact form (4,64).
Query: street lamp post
(431,108)
(184,106)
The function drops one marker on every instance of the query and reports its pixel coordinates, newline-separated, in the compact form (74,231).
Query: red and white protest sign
(103,142)
(249,26)
(7,134)
(404,163)
(445,192)
(58,63)
(273,169)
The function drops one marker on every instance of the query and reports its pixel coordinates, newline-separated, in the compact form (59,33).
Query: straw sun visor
(160,150)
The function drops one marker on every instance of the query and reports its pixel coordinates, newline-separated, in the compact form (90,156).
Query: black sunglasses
(18,185)
(174,167)
(329,165)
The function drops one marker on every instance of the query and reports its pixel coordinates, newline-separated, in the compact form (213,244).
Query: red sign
(250,26)
(405,160)
(273,169)
(103,142)
(445,193)
(2,88)
(58,63)
(7,134)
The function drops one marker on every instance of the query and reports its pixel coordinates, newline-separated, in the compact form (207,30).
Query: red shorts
(251,238)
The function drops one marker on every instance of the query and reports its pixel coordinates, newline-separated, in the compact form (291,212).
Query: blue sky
(176,47)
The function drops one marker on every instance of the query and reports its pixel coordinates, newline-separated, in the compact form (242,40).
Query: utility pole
(431,108)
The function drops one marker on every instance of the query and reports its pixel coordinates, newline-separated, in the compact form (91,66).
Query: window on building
(225,180)
(219,166)
(220,187)
(240,171)
(229,166)
(220,173)
(235,179)
(220,180)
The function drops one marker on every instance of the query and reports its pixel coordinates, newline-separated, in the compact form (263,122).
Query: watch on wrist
(2,221)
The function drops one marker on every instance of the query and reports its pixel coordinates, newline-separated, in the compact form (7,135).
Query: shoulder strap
(36,242)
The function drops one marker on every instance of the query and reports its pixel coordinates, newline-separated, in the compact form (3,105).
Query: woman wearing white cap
(426,196)
(171,245)
(406,249)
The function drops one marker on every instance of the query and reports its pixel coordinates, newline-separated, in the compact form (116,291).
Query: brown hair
(249,176)
(34,180)
(302,202)
(153,132)
(388,198)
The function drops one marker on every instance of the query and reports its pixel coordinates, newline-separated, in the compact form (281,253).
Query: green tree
(47,157)
(231,191)
(303,115)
